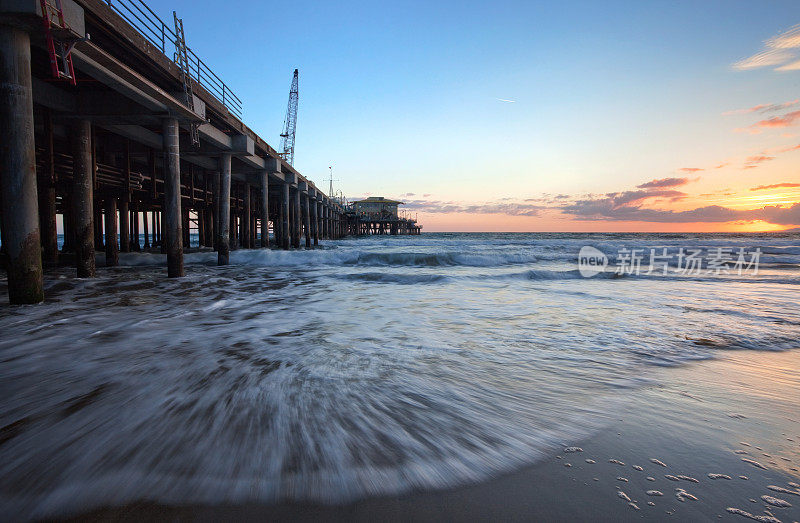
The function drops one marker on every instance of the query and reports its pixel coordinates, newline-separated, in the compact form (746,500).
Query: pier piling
(224,210)
(173,232)
(18,169)
(47,196)
(112,249)
(307,220)
(124,225)
(83,198)
(284,215)
(246,215)
(264,179)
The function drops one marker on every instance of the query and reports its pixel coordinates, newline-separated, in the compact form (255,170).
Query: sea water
(367,366)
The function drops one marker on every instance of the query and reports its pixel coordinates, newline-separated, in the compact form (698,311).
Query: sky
(528,116)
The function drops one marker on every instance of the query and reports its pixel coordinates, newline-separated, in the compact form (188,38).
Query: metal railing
(144,20)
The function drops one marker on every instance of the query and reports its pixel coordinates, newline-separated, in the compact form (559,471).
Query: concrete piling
(284,214)
(47,196)
(264,179)
(135,243)
(223,210)
(307,220)
(315,221)
(83,198)
(124,225)
(18,169)
(296,226)
(246,217)
(112,249)
(145,230)
(173,232)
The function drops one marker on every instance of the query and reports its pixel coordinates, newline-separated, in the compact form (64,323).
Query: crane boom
(290,122)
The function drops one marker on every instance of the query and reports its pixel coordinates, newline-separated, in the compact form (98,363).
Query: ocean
(368,366)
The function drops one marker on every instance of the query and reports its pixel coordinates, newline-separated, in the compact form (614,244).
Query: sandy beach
(737,417)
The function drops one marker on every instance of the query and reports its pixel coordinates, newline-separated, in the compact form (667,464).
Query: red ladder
(60,62)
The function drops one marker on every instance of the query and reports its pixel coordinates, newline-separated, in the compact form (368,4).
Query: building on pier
(377,207)
(379,215)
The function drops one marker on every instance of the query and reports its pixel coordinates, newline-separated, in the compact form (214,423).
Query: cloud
(407,195)
(786,120)
(603,210)
(779,50)
(748,130)
(788,149)
(506,101)
(776,122)
(511,209)
(611,203)
(793,66)
(751,162)
(759,159)
(668,182)
(764,108)
(766,58)
(775,186)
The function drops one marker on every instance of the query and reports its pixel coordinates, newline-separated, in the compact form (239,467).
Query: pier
(101,127)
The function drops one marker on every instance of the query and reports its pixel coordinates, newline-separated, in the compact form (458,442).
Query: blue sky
(406,98)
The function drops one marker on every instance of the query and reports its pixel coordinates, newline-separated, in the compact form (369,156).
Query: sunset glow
(552,120)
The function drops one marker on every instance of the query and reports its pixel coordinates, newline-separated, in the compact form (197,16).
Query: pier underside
(111,162)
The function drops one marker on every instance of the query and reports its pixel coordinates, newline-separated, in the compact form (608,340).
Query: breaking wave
(365,367)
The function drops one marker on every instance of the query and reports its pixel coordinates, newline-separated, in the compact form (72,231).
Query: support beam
(307,220)
(234,238)
(201,227)
(215,205)
(224,210)
(185,227)
(47,197)
(145,231)
(246,215)
(315,221)
(83,198)
(173,232)
(98,218)
(135,245)
(264,209)
(112,249)
(296,219)
(18,169)
(284,215)
(124,225)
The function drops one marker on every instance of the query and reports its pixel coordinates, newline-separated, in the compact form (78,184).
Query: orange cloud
(667,182)
(759,159)
(775,186)
(786,120)
(764,108)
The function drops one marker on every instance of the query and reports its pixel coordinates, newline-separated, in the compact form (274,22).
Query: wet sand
(737,416)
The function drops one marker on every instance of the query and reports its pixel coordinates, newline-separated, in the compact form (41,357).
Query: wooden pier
(113,147)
